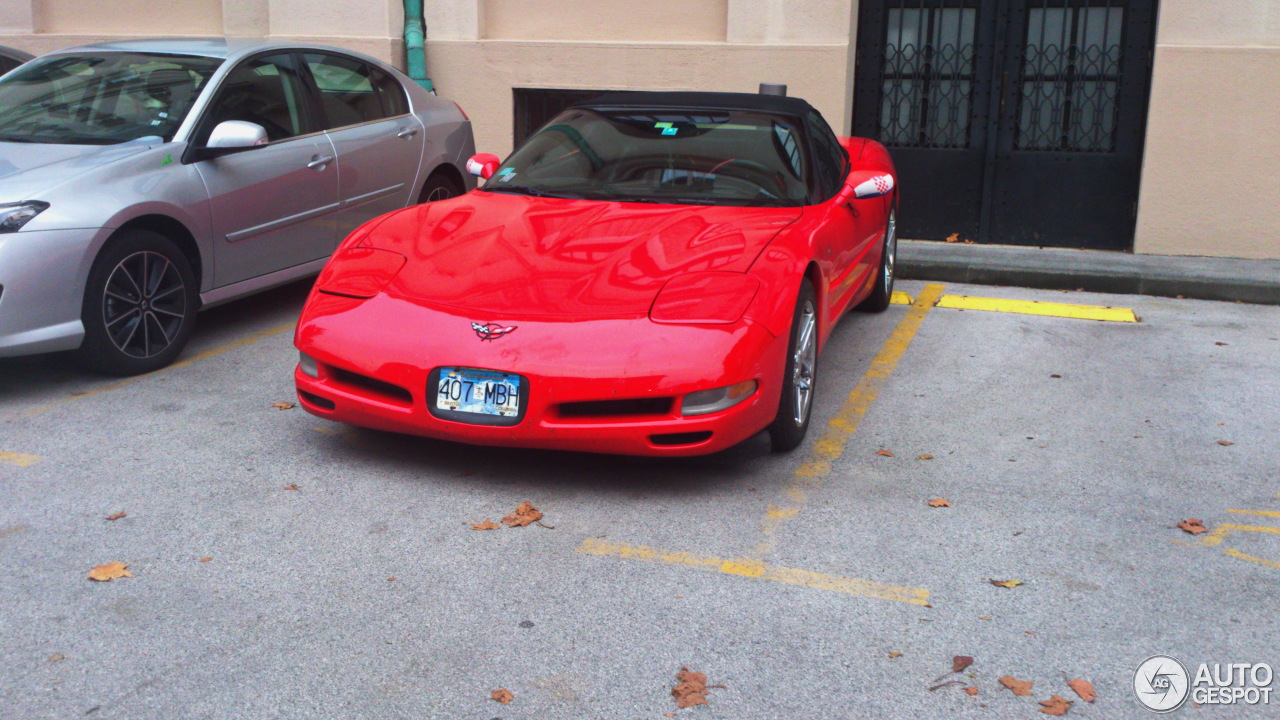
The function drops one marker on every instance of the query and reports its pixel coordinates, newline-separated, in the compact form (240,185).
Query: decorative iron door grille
(1011,121)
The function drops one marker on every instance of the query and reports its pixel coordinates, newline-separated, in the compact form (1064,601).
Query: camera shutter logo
(1161,683)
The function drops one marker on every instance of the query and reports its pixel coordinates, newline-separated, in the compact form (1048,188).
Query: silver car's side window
(266,91)
(352,92)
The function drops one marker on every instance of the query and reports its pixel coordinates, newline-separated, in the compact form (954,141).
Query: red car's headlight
(360,272)
(705,297)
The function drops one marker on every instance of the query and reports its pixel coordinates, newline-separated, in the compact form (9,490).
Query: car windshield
(714,157)
(100,99)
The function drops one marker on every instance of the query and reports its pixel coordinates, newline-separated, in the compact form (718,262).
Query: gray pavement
(1200,278)
(1072,485)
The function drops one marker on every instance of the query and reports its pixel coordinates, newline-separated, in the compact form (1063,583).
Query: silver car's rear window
(101,98)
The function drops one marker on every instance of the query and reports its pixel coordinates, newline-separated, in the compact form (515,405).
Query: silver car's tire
(439,187)
(139,306)
(800,375)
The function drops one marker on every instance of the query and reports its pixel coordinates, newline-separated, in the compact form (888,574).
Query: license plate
(483,392)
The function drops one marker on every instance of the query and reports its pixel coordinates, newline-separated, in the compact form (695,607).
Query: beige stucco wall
(1209,180)
(647,21)
(134,17)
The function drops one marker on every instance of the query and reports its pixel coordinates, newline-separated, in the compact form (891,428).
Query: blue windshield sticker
(506,171)
(668,131)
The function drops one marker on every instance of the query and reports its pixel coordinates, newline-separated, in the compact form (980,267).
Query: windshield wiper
(531,191)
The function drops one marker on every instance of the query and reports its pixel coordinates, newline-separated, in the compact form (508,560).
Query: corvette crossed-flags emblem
(490,331)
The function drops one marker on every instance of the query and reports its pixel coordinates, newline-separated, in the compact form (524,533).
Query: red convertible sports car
(650,274)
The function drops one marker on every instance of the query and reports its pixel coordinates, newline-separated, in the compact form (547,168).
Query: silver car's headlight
(14,215)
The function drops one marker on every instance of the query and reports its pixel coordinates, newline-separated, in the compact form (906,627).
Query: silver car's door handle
(320,162)
(407,132)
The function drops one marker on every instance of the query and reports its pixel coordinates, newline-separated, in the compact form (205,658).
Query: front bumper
(42,278)
(375,356)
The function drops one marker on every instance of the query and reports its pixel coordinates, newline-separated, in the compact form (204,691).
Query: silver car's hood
(28,169)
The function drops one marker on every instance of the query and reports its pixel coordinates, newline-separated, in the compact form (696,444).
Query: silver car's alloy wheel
(440,193)
(144,304)
(890,249)
(804,361)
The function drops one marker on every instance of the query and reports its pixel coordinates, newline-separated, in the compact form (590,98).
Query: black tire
(132,328)
(787,432)
(439,187)
(880,296)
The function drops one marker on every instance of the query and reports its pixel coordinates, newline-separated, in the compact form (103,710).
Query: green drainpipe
(414,35)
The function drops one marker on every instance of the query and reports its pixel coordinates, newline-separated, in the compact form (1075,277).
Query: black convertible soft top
(772,104)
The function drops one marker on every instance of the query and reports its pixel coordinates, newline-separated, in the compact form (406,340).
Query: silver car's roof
(214,47)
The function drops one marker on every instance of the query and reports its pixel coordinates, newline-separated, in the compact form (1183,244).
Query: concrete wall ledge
(1202,278)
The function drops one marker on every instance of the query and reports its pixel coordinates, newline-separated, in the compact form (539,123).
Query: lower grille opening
(689,438)
(322,403)
(384,390)
(614,408)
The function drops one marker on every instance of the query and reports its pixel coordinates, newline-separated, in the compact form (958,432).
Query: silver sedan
(142,181)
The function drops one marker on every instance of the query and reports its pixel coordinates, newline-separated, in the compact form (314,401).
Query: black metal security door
(1010,121)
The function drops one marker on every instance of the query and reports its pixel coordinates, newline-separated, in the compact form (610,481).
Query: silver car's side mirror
(236,135)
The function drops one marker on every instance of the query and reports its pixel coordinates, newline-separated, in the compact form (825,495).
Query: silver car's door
(379,144)
(272,206)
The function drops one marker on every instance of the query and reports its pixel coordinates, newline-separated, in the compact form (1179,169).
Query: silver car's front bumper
(42,277)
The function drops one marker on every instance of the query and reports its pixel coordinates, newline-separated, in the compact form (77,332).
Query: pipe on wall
(415,36)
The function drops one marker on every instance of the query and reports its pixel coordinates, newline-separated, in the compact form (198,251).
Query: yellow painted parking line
(830,446)
(1260,561)
(1220,533)
(757,570)
(13,458)
(1034,307)
(900,298)
(202,355)
(1263,513)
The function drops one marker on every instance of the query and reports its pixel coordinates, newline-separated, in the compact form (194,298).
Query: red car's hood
(542,257)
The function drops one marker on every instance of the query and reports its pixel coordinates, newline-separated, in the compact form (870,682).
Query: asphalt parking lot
(286,567)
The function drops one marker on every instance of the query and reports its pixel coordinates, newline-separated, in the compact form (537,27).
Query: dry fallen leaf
(117,516)
(206,559)
(984,617)
(291,486)
(690,689)
(1219,344)
(1056,376)
(1084,689)
(939,502)
(1225,443)
(486,525)
(502,695)
(960,662)
(1006,583)
(1055,706)
(282,405)
(884,453)
(110,571)
(57,657)
(926,456)
(1193,525)
(1019,687)
(894,654)
(953,237)
(972,690)
(391,579)
(524,516)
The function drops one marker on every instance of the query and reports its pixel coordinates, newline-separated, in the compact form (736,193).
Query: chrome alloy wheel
(439,193)
(804,362)
(143,304)
(890,249)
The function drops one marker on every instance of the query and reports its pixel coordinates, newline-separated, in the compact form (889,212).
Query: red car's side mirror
(864,184)
(483,165)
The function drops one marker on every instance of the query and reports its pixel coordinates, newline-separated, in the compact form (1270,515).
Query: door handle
(407,132)
(320,162)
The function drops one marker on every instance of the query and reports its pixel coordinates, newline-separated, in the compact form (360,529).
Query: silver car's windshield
(102,98)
